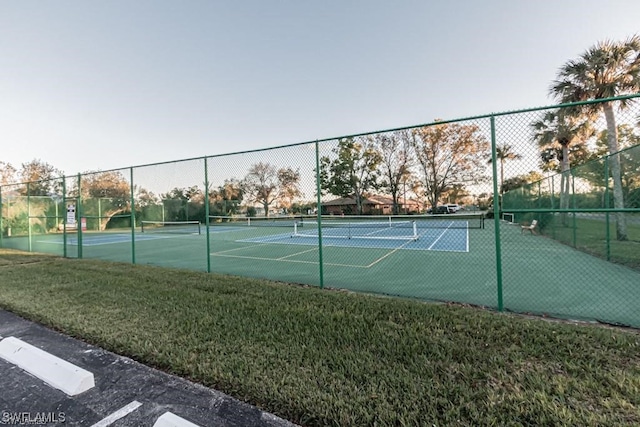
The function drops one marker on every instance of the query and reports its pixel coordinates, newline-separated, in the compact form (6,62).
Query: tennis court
(347,242)
(438,235)
(442,259)
(101,239)
(446,258)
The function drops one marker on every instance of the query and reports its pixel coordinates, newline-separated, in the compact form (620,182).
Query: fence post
(538,216)
(319,214)
(29,217)
(606,206)
(206,213)
(496,213)
(133,220)
(573,196)
(79,217)
(553,215)
(64,217)
(1,215)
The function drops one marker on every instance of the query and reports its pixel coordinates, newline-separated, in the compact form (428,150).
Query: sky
(99,85)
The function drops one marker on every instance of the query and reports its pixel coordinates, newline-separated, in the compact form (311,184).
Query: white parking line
(120,413)
(169,419)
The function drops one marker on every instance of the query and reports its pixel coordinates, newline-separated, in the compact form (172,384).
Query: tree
(448,154)
(352,172)
(395,162)
(7,173)
(593,170)
(556,133)
(521,180)
(43,178)
(145,198)
(42,182)
(177,201)
(504,152)
(455,193)
(629,158)
(227,198)
(605,70)
(265,184)
(111,194)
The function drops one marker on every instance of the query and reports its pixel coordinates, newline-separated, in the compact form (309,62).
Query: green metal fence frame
(495,189)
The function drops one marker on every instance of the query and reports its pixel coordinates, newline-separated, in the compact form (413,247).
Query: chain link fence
(534,211)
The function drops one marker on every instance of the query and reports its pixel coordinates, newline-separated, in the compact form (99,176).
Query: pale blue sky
(88,85)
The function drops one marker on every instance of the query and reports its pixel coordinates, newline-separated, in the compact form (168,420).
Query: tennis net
(467,220)
(347,229)
(284,221)
(456,220)
(178,227)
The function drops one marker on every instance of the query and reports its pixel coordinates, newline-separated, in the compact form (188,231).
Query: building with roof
(371,205)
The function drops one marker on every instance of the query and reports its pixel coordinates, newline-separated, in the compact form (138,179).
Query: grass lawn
(333,358)
(590,235)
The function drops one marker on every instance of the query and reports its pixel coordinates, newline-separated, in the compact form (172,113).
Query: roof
(369,200)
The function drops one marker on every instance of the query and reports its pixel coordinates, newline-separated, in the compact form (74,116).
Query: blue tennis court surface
(107,239)
(430,239)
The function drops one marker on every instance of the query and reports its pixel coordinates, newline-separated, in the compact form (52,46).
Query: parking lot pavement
(126,393)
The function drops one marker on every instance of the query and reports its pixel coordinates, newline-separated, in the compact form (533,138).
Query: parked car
(453,207)
(443,209)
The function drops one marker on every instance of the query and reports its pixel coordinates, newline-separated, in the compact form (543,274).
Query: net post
(295,229)
(415,230)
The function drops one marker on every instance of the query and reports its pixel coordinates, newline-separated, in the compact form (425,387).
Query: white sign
(71,213)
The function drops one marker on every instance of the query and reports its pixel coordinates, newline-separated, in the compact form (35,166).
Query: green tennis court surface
(446,262)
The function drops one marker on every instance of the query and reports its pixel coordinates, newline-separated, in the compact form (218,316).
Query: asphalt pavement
(126,393)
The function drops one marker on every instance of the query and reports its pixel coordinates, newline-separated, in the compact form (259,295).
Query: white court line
(216,229)
(288,260)
(467,230)
(274,238)
(296,254)
(440,236)
(240,248)
(386,255)
(120,413)
(95,241)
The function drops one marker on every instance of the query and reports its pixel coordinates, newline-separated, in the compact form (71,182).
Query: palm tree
(504,152)
(605,70)
(557,132)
